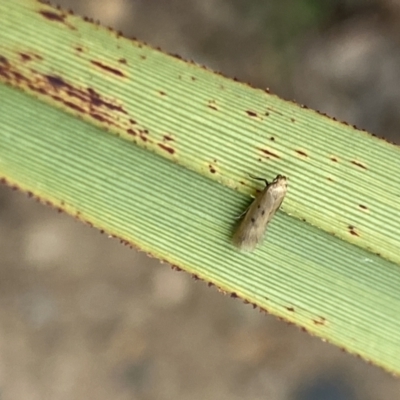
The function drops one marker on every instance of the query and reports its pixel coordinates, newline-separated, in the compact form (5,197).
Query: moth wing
(252,228)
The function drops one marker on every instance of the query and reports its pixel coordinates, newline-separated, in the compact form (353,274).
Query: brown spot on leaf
(334,159)
(212,105)
(302,153)
(107,68)
(131,132)
(269,153)
(352,230)
(25,57)
(168,138)
(320,321)
(98,101)
(74,106)
(291,309)
(52,16)
(132,121)
(166,148)
(143,133)
(251,113)
(57,81)
(212,169)
(161,93)
(122,61)
(363,207)
(100,118)
(3,60)
(358,164)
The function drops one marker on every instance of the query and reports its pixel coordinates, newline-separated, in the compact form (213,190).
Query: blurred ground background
(82,316)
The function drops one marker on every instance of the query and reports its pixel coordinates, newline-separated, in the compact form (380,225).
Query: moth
(252,229)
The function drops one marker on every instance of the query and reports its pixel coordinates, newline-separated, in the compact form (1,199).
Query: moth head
(281,180)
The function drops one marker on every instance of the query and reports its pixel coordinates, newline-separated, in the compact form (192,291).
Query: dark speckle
(334,159)
(56,81)
(107,68)
(132,121)
(358,164)
(212,105)
(168,138)
(302,153)
(143,134)
(25,57)
(3,60)
(170,150)
(363,207)
(291,309)
(74,107)
(352,230)
(266,113)
(292,119)
(52,16)
(251,113)
(262,212)
(272,138)
(131,132)
(212,169)
(162,93)
(320,321)
(122,61)
(253,220)
(269,153)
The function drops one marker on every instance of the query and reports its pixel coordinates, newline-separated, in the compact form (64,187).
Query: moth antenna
(259,179)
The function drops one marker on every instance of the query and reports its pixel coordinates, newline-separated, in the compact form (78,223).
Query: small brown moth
(252,229)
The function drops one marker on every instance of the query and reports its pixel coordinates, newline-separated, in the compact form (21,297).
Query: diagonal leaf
(216,128)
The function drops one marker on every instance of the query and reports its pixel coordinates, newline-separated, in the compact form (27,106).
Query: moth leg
(243,213)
